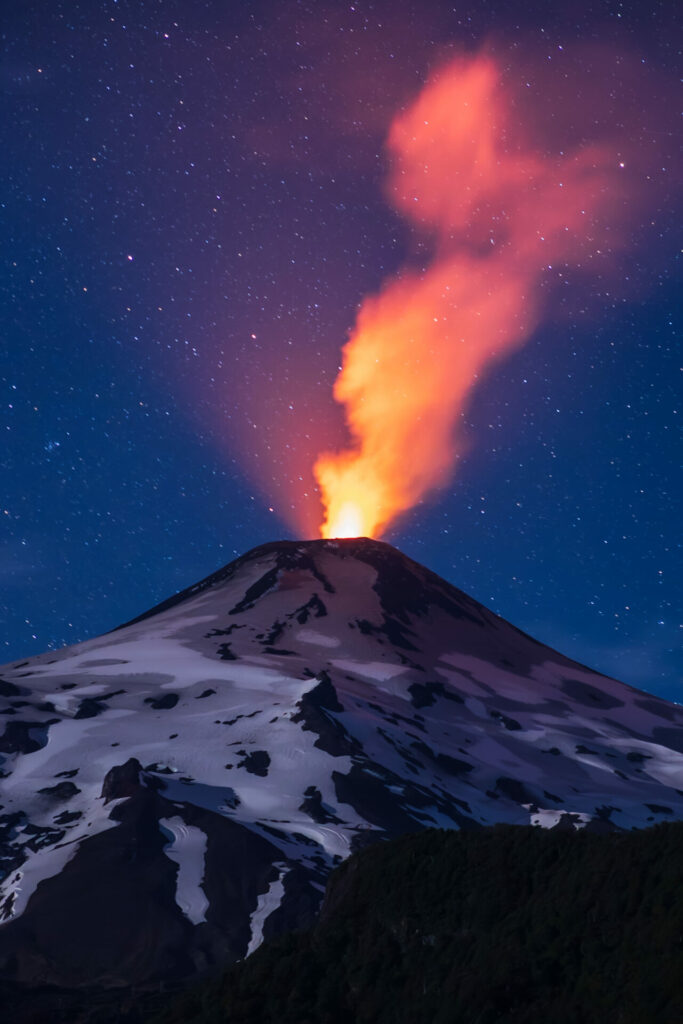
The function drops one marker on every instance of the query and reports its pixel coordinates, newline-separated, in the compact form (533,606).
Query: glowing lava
(354,505)
(348,522)
(500,213)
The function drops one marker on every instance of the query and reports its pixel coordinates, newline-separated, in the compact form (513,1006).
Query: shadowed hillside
(506,925)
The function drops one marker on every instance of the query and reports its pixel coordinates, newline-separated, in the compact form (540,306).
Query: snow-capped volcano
(176,789)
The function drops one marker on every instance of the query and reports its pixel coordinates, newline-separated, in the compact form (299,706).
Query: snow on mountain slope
(191,778)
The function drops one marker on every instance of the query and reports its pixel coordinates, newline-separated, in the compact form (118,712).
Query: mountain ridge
(357,546)
(213,759)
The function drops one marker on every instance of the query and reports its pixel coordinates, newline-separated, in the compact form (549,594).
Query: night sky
(192,209)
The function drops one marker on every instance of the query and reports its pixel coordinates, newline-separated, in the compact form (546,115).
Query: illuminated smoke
(498,212)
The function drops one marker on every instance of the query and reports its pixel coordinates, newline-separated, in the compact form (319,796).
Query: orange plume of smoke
(499,212)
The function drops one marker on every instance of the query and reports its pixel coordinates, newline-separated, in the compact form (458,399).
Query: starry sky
(192,209)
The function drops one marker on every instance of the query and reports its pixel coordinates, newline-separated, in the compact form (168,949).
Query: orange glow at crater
(349,521)
(499,212)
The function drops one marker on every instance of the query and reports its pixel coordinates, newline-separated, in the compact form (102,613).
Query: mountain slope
(505,925)
(191,778)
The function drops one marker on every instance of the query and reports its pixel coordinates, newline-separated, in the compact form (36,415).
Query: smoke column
(498,211)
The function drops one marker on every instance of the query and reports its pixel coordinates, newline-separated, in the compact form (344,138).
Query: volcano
(180,788)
